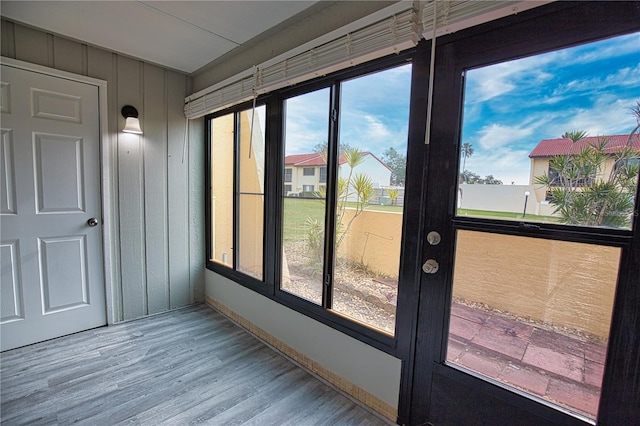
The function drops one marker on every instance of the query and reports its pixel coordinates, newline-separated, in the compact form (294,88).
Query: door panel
(12,302)
(522,322)
(52,274)
(58,164)
(7,161)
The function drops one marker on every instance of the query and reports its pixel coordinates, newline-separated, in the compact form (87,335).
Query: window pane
(306,121)
(251,197)
(369,212)
(222,190)
(541,136)
(534,314)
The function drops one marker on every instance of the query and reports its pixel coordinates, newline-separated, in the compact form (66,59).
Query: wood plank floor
(189,366)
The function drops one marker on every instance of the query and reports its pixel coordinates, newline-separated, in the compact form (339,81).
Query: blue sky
(374,114)
(509,107)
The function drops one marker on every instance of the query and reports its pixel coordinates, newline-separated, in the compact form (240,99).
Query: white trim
(106,169)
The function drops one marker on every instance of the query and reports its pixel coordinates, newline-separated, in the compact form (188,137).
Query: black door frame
(428,385)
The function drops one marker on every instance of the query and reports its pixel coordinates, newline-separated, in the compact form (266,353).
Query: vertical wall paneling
(153,227)
(67,55)
(131,195)
(7,40)
(196,205)
(179,288)
(155,188)
(31,46)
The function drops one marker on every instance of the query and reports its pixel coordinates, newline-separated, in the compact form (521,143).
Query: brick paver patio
(559,368)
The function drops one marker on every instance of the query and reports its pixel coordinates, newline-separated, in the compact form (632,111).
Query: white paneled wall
(158,177)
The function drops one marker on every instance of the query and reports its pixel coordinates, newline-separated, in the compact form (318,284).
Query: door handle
(92,222)
(431,266)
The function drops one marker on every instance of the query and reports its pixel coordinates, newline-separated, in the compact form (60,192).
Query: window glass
(534,314)
(251,191)
(222,143)
(306,130)
(370,196)
(541,135)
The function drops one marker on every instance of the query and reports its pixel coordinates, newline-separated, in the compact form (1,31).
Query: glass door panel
(553,138)
(534,314)
(549,139)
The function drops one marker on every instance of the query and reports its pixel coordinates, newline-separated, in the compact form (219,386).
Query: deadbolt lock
(431,266)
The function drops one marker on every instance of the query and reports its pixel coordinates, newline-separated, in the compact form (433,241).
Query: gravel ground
(358,294)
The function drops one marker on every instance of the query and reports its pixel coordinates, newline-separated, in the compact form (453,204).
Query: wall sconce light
(132,124)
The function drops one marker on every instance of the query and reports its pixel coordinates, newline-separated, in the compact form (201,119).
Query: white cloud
(497,135)
(496,80)
(625,77)
(608,115)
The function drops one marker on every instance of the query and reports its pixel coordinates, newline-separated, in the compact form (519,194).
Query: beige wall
(559,283)
(222,189)
(157,190)
(374,240)
(251,207)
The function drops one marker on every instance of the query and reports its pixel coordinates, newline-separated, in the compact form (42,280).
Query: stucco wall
(157,192)
(374,240)
(559,283)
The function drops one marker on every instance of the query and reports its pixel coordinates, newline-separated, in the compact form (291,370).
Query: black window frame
(274,191)
(233,272)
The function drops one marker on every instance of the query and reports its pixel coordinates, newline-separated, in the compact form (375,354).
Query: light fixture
(526,198)
(132,124)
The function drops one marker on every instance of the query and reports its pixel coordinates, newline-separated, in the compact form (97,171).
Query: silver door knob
(431,266)
(92,222)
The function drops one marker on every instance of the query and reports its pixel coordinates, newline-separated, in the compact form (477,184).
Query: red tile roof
(316,159)
(563,146)
(301,160)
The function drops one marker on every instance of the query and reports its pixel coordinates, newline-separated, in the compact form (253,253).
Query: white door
(51,256)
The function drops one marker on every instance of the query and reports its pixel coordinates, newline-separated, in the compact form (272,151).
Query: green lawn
(297,210)
(486,214)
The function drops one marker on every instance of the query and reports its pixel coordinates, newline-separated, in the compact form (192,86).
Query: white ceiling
(183,35)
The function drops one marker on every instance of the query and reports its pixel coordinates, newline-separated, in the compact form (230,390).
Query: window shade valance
(456,15)
(394,33)
(405,23)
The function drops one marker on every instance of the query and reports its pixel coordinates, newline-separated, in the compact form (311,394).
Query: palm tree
(574,135)
(466,152)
